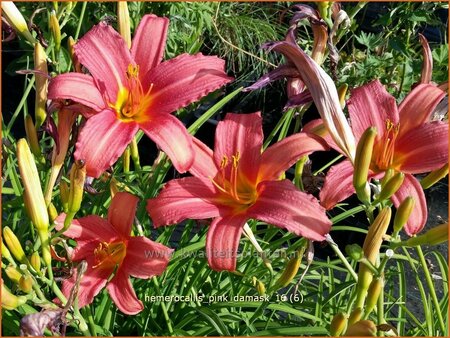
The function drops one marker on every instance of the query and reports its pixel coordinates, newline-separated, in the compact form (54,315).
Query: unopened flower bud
(10,301)
(77,178)
(73,56)
(56,30)
(35,261)
(342,91)
(64,195)
(355,315)
(14,245)
(363,158)
(41,80)
(434,236)
(32,137)
(391,186)
(5,252)
(434,177)
(289,272)
(354,251)
(338,324)
(261,288)
(404,210)
(123,16)
(16,20)
(13,274)
(363,328)
(387,176)
(372,295)
(52,212)
(26,283)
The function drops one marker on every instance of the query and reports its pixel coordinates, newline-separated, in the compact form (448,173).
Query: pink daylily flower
(237,182)
(407,142)
(108,247)
(131,90)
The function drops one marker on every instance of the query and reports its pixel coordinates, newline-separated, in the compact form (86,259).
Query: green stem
(83,10)
(91,320)
(431,288)
(163,307)
(347,213)
(344,260)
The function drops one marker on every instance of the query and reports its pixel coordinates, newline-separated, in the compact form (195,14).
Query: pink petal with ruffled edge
(317,127)
(371,106)
(183,80)
(282,155)
(121,212)
(102,140)
(418,218)
(80,88)
(280,203)
(123,295)
(145,258)
(338,184)
(149,42)
(172,137)
(105,54)
(188,197)
(240,135)
(88,228)
(422,149)
(418,106)
(222,242)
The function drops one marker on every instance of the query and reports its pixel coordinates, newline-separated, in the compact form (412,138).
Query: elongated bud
(434,236)
(387,176)
(52,212)
(26,283)
(123,17)
(14,245)
(354,251)
(70,46)
(64,194)
(10,301)
(434,177)
(338,324)
(404,210)
(135,154)
(126,160)
(355,316)
(41,78)
(56,30)
(371,248)
(36,206)
(372,295)
(290,271)
(113,188)
(32,137)
(77,178)
(363,328)
(5,253)
(13,274)
(35,261)
(261,288)
(342,91)
(391,186)
(363,158)
(16,20)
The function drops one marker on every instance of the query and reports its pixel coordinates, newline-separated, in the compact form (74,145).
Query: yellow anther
(132,71)
(236,159)
(224,162)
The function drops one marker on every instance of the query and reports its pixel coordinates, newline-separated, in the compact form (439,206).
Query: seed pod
(338,324)
(13,274)
(26,283)
(372,295)
(391,186)
(35,261)
(363,328)
(14,245)
(404,210)
(10,301)
(355,316)
(363,158)
(41,79)
(434,177)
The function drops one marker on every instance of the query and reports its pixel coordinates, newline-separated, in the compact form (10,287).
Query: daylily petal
(80,88)
(240,135)
(172,137)
(92,282)
(183,80)
(317,127)
(105,54)
(89,228)
(282,155)
(222,241)
(298,100)
(338,184)
(149,42)
(145,258)
(371,106)
(102,140)
(84,249)
(427,63)
(121,212)
(281,72)
(422,149)
(188,197)
(418,218)
(280,203)
(418,106)
(123,295)
(324,93)
(204,165)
